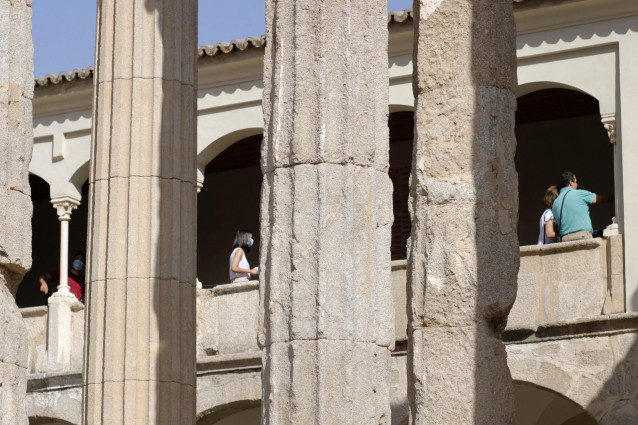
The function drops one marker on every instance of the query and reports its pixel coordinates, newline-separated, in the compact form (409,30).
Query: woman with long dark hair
(239,269)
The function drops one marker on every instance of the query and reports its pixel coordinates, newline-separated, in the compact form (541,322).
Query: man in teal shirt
(571,209)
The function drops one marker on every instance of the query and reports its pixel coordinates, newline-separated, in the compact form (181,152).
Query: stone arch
(229,200)
(537,405)
(43,420)
(220,144)
(559,128)
(527,88)
(240,412)
(45,244)
(80,176)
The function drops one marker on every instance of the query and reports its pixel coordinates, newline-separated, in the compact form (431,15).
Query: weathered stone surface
(361,385)
(140,348)
(13,354)
(598,372)
(326,295)
(16,142)
(455,362)
(463,254)
(326,95)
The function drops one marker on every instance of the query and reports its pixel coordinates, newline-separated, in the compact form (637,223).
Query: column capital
(64,206)
(609,122)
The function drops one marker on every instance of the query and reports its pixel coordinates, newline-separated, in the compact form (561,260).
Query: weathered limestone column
(16,143)
(463,254)
(326,214)
(140,338)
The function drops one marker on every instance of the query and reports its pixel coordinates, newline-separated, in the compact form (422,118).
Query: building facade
(572,334)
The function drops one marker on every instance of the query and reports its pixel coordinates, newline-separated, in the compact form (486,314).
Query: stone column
(140,337)
(64,207)
(326,214)
(16,143)
(463,254)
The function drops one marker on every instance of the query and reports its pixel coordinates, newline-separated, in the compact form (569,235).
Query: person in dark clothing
(49,281)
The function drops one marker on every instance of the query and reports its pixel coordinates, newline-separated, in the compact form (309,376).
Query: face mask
(78,265)
(251,242)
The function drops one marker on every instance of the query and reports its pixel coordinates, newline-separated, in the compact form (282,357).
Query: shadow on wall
(616,402)
(493,74)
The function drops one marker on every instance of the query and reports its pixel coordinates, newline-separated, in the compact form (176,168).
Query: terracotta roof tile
(64,77)
(202,52)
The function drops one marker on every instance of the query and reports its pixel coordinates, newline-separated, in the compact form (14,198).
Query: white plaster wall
(592,46)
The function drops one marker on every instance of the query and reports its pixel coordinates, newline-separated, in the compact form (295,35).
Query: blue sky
(64,30)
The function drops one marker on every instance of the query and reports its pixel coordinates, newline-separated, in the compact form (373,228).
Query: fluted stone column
(326,214)
(140,339)
(16,143)
(463,254)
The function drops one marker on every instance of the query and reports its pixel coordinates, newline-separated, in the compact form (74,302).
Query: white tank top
(243,264)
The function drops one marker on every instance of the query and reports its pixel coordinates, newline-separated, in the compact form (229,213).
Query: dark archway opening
(231,195)
(560,130)
(401,126)
(228,201)
(45,246)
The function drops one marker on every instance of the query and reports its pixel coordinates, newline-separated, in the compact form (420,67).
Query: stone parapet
(568,281)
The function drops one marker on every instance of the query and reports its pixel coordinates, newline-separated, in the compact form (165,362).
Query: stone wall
(592,362)
(16,142)
(41,328)
(568,281)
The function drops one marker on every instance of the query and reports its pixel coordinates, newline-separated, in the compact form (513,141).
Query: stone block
(480,376)
(530,264)
(60,337)
(583,264)
(328,108)
(579,299)
(451,36)
(237,319)
(399,296)
(305,387)
(555,378)
(615,255)
(526,309)
(335,286)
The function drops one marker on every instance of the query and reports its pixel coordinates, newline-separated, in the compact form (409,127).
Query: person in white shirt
(239,269)
(546,233)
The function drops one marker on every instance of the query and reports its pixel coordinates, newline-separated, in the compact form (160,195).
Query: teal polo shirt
(575,210)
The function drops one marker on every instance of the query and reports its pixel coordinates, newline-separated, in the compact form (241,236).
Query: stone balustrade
(561,282)
(569,281)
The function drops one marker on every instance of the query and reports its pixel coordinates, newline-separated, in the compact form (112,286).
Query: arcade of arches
(230,197)
(557,130)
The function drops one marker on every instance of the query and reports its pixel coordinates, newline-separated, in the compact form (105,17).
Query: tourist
(571,209)
(240,270)
(546,232)
(49,281)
